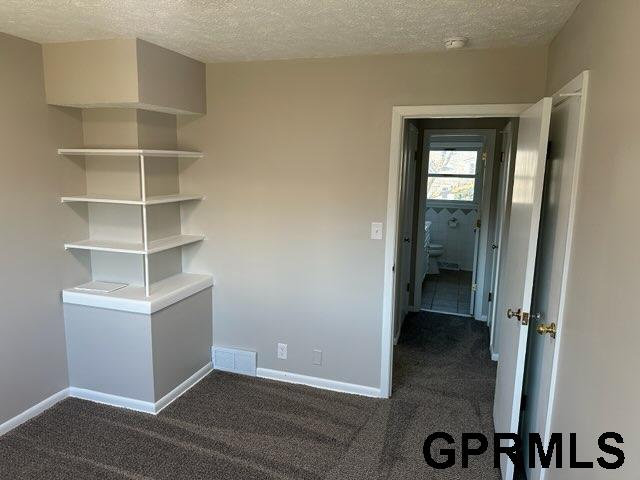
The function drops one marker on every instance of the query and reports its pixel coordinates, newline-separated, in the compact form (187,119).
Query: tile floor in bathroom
(449,291)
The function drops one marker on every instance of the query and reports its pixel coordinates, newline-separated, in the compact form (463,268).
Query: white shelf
(132,297)
(120,152)
(153,200)
(106,246)
(154,246)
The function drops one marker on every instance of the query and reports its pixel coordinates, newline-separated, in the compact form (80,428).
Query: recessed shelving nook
(132,206)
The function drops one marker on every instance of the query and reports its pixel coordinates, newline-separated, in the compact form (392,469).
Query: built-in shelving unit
(137,237)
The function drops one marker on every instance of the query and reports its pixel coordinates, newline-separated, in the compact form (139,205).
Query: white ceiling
(230,30)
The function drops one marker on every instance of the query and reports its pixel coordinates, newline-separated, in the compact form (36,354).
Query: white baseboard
(495,356)
(34,411)
(112,400)
(106,399)
(318,382)
(141,405)
(182,388)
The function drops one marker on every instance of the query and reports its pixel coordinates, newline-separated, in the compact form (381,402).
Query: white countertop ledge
(131,298)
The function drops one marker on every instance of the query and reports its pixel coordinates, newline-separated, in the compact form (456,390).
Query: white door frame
(398,115)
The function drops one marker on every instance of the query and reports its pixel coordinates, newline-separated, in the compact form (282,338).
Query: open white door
(408,170)
(500,235)
(517,282)
(556,228)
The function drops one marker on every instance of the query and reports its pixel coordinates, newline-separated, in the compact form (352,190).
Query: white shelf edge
(168,243)
(155,246)
(131,298)
(129,152)
(152,200)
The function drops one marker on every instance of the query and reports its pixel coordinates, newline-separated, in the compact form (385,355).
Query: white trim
(461,111)
(397,335)
(106,399)
(34,411)
(112,400)
(495,357)
(183,387)
(398,115)
(140,405)
(317,382)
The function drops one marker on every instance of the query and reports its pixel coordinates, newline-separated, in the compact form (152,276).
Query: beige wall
(94,72)
(296,169)
(123,73)
(170,80)
(598,387)
(33,264)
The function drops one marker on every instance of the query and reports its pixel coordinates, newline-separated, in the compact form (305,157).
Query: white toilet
(435,251)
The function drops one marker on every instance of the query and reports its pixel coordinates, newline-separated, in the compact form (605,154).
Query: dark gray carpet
(234,427)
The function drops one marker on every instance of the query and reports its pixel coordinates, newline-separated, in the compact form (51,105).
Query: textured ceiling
(229,30)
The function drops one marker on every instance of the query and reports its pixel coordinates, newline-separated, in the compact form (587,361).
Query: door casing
(398,115)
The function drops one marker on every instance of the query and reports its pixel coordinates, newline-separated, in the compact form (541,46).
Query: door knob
(545,328)
(517,314)
(523,317)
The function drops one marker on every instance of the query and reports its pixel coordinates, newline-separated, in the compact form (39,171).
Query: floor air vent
(234,360)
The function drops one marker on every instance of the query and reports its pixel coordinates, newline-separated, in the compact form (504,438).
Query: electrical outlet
(317,357)
(282,351)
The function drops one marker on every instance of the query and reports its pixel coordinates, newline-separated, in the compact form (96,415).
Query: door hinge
(478,223)
(490,296)
(408,287)
(484,156)
(523,403)
(474,287)
(501,157)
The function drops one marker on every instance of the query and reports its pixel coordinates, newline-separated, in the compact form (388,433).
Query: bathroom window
(452,175)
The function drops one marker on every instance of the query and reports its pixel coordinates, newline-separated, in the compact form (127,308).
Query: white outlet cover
(282,351)
(317,357)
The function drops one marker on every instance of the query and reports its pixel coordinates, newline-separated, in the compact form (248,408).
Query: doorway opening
(456,192)
(533,211)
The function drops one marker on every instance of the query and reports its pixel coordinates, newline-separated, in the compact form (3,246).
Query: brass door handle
(511,313)
(523,317)
(545,328)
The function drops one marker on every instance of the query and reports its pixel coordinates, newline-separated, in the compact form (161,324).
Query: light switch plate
(376,230)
